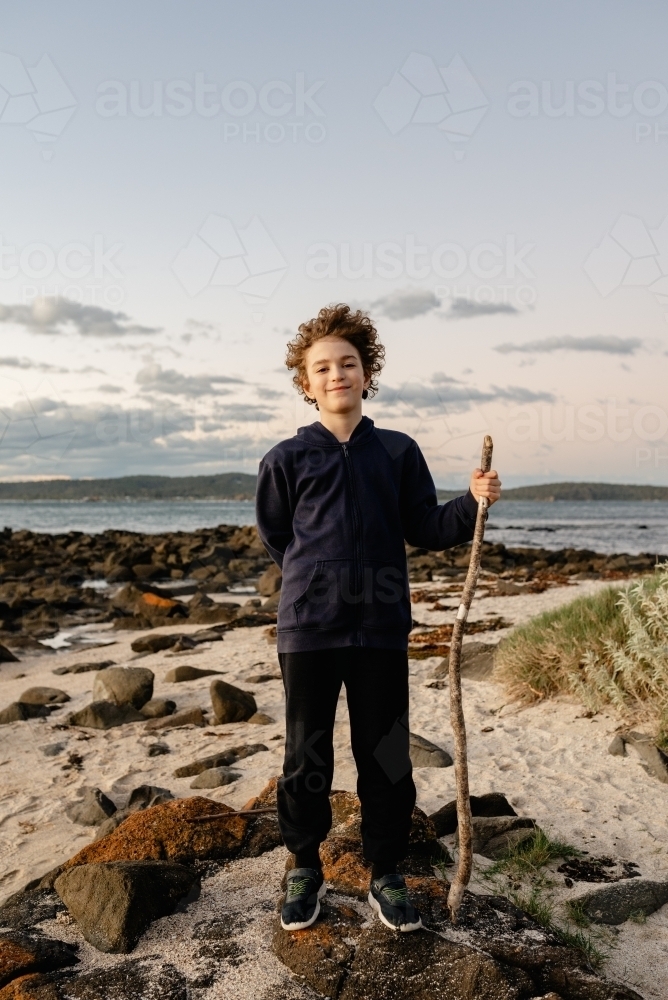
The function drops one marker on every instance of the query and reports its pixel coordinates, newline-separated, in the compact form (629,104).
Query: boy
(334,506)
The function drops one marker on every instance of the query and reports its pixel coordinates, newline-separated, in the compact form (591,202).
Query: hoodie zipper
(357,539)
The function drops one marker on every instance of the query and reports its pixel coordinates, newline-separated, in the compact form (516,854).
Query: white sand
(550,761)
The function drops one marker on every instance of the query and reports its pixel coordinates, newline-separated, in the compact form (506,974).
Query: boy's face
(334,375)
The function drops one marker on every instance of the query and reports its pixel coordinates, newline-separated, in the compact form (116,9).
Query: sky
(184,184)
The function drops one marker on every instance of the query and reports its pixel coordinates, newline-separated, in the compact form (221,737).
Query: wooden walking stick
(463,875)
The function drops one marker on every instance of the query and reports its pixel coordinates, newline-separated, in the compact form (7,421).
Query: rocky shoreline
(144,581)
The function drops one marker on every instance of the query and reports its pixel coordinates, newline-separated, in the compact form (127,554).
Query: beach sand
(550,760)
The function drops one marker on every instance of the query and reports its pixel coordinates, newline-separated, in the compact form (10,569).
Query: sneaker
(302,899)
(388,896)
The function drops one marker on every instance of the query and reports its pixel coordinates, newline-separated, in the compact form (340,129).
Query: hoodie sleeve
(273,510)
(428,524)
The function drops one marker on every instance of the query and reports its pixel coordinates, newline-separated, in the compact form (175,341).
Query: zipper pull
(345,449)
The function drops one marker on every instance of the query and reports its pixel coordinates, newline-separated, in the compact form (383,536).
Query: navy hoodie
(334,517)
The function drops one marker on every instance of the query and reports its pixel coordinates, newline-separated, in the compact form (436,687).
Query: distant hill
(226,486)
(241,486)
(577,491)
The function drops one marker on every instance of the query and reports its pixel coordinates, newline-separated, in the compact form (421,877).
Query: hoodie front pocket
(330,600)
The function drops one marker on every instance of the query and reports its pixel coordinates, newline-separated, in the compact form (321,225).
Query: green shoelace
(298,887)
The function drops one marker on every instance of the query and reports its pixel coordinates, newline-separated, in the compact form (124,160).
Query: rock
(221,759)
(186,717)
(125,981)
(270,581)
(477,662)
(18,712)
(491,804)
(214,777)
(22,910)
(262,678)
(145,796)
(230,703)
(158,708)
(654,760)
(613,904)
(84,668)
(426,754)
(104,715)
(6,655)
(494,835)
(53,749)
(185,672)
(322,956)
(124,686)
(154,643)
(261,719)
(92,809)
(617,747)
(158,749)
(44,696)
(23,952)
(165,832)
(114,902)
(508,588)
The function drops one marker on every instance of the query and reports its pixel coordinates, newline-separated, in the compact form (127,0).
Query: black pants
(376,683)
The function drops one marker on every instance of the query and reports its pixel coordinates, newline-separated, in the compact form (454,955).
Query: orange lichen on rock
(165,833)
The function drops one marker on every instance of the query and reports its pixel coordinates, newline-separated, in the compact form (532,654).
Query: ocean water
(604,526)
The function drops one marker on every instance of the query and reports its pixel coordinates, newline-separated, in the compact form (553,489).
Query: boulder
(124,686)
(270,581)
(23,909)
(186,717)
(491,804)
(215,777)
(477,662)
(184,672)
(261,719)
(84,668)
(613,904)
(6,655)
(154,643)
(617,746)
(104,715)
(166,832)
(128,980)
(114,902)
(426,754)
(230,703)
(44,696)
(158,708)
(24,952)
(92,809)
(145,796)
(18,712)
(494,835)
(221,759)
(652,758)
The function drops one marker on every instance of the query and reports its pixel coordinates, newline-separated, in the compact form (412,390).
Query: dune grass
(609,649)
(522,874)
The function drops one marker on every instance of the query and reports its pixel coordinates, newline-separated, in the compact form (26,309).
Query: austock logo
(36,97)
(221,256)
(631,255)
(421,93)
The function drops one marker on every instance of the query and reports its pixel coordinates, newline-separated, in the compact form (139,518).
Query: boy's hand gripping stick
(463,875)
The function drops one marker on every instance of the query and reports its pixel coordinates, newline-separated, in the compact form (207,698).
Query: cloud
(606,345)
(58,315)
(109,388)
(27,364)
(441,394)
(406,303)
(466,309)
(45,436)
(155,378)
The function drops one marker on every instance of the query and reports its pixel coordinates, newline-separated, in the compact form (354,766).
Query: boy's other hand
(485,484)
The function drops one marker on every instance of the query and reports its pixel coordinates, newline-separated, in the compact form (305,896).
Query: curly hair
(337,321)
